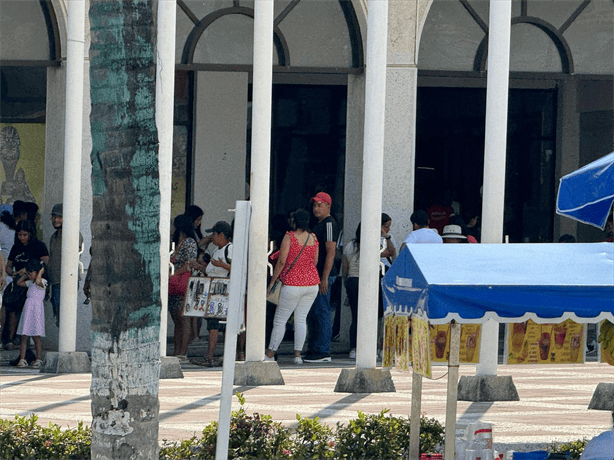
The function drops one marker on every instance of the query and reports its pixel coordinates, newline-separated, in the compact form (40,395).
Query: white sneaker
(298,360)
(22,363)
(36,364)
(266,358)
(353,353)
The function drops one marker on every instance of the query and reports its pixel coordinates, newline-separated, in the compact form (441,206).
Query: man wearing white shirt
(421,233)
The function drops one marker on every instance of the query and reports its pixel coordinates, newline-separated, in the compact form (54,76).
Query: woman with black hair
(196,214)
(296,268)
(186,253)
(26,247)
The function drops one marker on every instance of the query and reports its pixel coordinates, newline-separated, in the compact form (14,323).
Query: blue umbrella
(587,194)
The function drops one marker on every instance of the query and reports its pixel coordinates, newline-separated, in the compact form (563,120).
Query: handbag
(14,297)
(178,284)
(275,292)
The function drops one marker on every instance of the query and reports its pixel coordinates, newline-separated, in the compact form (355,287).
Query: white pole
(414,421)
(451,403)
(236,291)
(372,181)
(497,87)
(73,138)
(259,179)
(165,101)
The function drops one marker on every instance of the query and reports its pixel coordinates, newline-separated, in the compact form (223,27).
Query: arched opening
(548,100)
(316,46)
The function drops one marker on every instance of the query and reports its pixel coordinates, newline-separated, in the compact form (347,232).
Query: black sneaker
(317,358)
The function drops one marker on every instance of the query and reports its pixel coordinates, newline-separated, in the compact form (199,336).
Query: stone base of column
(603,397)
(170,368)
(365,381)
(486,388)
(75,362)
(257,373)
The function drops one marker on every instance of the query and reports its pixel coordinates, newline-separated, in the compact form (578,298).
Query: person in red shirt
(297,269)
(439,215)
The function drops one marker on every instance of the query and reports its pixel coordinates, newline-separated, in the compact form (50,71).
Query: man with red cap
(319,322)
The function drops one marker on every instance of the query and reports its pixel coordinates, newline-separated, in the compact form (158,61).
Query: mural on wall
(22,160)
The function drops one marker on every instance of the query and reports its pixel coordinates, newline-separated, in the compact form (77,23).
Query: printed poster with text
(532,343)
(469,343)
(420,349)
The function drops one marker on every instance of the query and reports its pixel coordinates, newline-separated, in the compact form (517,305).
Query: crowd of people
(309,261)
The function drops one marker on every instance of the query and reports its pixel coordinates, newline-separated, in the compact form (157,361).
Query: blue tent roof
(507,282)
(587,194)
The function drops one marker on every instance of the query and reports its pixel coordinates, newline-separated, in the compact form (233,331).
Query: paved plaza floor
(553,402)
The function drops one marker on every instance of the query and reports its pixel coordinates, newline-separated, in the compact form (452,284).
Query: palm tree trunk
(125,231)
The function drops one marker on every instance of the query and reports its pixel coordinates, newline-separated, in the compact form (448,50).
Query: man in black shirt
(319,323)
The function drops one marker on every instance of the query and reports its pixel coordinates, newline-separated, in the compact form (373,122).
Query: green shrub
(23,438)
(256,436)
(575,448)
(370,436)
(378,436)
(383,436)
(312,440)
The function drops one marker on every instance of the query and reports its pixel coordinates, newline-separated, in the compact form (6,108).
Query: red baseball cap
(322,197)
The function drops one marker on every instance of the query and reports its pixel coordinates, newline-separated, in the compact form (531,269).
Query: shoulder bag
(275,292)
(178,282)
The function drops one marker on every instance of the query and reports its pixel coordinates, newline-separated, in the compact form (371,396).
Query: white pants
(297,299)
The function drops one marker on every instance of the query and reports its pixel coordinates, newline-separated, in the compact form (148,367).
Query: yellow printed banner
(531,343)
(420,349)
(469,343)
(606,341)
(397,342)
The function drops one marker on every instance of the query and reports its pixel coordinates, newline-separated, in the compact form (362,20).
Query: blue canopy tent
(511,283)
(472,283)
(587,194)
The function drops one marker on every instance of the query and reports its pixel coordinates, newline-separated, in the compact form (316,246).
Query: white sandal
(36,364)
(22,363)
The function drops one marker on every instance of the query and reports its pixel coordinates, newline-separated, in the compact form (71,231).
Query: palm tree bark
(125,231)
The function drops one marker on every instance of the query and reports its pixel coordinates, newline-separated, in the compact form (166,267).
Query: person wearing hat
(218,267)
(319,322)
(54,269)
(453,234)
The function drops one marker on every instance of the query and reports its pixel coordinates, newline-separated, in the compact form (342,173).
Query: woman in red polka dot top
(297,270)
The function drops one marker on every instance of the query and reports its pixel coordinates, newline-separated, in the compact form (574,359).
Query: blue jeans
(320,324)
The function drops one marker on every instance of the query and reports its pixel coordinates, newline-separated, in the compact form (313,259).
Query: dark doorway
(308,154)
(450,156)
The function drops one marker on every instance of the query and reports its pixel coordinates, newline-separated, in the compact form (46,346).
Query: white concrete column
(259,178)
(497,86)
(372,180)
(405,20)
(75,47)
(400,147)
(165,103)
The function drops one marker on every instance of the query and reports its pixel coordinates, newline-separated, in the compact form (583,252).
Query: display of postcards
(217,306)
(196,296)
